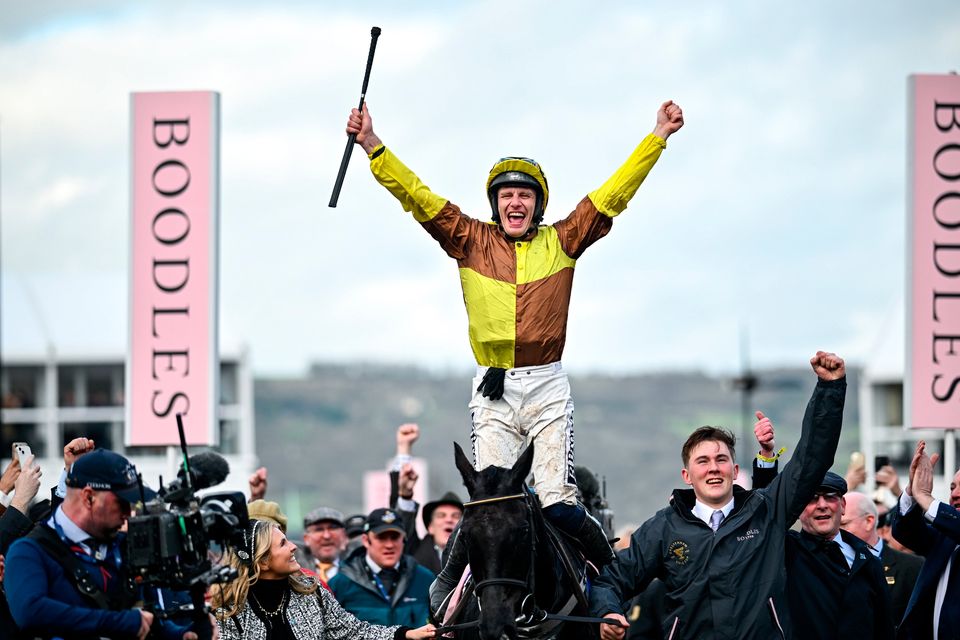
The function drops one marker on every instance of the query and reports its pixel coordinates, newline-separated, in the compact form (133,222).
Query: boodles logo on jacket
(679,551)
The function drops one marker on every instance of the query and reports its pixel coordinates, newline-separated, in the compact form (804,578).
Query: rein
(550,616)
(473,503)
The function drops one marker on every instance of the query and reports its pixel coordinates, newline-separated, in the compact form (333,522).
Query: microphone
(206,470)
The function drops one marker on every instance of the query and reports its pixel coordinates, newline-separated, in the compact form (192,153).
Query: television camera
(170,543)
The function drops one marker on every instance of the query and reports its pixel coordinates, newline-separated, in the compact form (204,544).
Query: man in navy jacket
(93,599)
(932,529)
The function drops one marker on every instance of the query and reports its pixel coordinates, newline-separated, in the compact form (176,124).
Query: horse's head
(497,529)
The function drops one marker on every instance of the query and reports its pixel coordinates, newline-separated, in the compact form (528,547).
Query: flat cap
(833,482)
(323,514)
(269,511)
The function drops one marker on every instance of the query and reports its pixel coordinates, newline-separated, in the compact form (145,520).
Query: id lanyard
(100,564)
(86,557)
(383,589)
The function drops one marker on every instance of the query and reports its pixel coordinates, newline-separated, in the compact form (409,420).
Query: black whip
(352,138)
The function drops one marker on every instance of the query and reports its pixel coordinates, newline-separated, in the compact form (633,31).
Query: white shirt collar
(704,512)
(374,566)
(848,552)
(70,528)
(78,536)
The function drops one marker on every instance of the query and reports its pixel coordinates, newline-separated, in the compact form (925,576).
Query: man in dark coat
(440,517)
(719,549)
(82,542)
(858,517)
(932,529)
(831,573)
(900,569)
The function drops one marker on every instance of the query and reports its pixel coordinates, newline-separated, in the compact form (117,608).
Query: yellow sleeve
(405,186)
(612,198)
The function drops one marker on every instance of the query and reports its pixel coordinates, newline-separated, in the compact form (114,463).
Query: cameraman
(69,572)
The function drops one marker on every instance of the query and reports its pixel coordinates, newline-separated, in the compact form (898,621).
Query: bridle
(529,613)
(531,620)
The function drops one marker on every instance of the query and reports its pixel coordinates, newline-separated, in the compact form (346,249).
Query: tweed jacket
(317,616)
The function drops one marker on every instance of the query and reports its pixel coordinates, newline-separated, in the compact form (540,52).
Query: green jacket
(356,591)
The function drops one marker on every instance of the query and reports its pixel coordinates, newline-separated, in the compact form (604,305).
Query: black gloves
(492,384)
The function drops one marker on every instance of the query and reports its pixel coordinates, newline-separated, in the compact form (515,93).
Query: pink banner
(932,381)
(172,361)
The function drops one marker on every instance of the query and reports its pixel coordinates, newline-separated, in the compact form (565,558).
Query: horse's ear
(466,469)
(521,468)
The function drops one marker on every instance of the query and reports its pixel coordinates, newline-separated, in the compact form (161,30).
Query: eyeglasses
(829,496)
(847,521)
(324,528)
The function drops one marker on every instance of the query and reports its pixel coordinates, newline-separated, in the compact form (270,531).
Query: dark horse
(519,572)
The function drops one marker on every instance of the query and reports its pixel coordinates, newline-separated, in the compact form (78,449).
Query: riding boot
(454,563)
(575,521)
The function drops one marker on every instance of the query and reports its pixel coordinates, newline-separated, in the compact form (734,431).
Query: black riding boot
(575,521)
(454,563)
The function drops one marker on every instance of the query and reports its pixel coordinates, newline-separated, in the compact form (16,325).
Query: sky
(777,212)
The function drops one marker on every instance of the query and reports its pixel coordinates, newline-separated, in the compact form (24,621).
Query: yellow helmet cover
(518,171)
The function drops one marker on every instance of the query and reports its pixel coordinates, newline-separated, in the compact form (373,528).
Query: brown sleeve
(453,230)
(584,226)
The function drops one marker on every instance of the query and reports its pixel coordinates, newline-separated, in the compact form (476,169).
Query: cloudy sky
(779,207)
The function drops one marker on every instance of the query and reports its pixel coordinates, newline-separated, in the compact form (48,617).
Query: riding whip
(351,139)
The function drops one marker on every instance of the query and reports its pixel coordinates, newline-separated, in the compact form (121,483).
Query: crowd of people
(798,555)
(719,561)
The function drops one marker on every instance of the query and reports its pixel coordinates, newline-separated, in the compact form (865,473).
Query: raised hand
(11,473)
(407,481)
(918,452)
(921,480)
(407,434)
(856,471)
(361,124)
(76,448)
(258,484)
(26,486)
(763,431)
(669,119)
(828,366)
(887,477)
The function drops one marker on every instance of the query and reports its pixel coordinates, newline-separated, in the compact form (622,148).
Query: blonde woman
(272,599)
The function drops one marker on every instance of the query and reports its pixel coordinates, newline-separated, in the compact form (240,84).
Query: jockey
(517,276)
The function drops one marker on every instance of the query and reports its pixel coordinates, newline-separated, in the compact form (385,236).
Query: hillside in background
(318,434)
